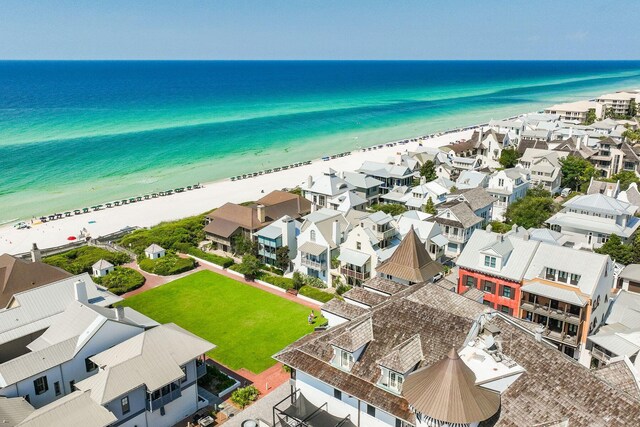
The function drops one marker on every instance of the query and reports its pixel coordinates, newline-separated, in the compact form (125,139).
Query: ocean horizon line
(309,60)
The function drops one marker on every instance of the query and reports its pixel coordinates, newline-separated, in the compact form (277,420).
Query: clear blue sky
(319,29)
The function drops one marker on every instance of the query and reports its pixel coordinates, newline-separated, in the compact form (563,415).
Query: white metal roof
(154,249)
(577,221)
(555,293)
(600,203)
(102,265)
(353,257)
(312,248)
(75,409)
(152,359)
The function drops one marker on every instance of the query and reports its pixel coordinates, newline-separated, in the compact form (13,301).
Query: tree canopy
(509,157)
(392,209)
(532,210)
(591,117)
(429,207)
(624,254)
(428,171)
(576,172)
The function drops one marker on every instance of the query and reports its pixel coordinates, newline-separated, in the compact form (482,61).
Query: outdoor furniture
(206,421)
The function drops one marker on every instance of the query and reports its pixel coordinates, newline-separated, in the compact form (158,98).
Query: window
(337,394)
(358,245)
(184,371)
(124,403)
(371,410)
(312,235)
(27,398)
(550,273)
(347,359)
(72,385)
(56,388)
(505,309)
(562,276)
(575,278)
(507,292)
(488,286)
(40,385)
(500,182)
(470,281)
(490,261)
(89,365)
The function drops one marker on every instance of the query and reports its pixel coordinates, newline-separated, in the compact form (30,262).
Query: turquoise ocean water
(76,133)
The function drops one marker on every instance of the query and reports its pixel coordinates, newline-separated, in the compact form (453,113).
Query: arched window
(312,235)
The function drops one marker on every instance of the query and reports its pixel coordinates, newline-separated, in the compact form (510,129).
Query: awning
(312,248)
(439,240)
(353,257)
(555,293)
(310,415)
(616,344)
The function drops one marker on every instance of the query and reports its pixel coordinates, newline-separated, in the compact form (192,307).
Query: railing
(155,404)
(551,312)
(201,370)
(355,274)
(600,355)
(316,265)
(561,337)
(387,234)
(454,237)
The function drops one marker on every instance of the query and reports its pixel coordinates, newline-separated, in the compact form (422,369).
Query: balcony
(355,274)
(314,264)
(155,404)
(386,234)
(201,369)
(459,238)
(561,337)
(600,355)
(551,312)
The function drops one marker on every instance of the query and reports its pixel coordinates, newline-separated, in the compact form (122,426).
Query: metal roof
(13,410)
(75,409)
(353,257)
(600,203)
(555,293)
(154,249)
(152,359)
(101,265)
(312,248)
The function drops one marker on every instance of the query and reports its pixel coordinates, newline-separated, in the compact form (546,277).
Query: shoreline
(211,195)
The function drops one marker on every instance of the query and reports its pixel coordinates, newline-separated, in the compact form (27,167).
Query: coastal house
(393,365)
(506,186)
(482,149)
(367,187)
(630,195)
(231,221)
(59,358)
(512,127)
(478,199)
(471,179)
(619,336)
(428,231)
(101,268)
(591,219)
(620,103)
(321,234)
(26,317)
(280,233)
(614,156)
(629,278)
(154,251)
(573,146)
(391,174)
(576,111)
(321,190)
(18,275)
(150,380)
(457,223)
(416,198)
(545,167)
(410,262)
(532,280)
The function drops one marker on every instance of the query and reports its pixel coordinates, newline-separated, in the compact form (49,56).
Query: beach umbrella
(71,238)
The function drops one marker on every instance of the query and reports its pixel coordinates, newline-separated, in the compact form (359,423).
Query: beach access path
(194,202)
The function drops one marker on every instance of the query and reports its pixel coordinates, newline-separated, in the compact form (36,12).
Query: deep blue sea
(74,133)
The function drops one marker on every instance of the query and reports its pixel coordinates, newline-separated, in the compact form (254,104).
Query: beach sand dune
(215,194)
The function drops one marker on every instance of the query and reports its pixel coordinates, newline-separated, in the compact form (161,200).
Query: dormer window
(395,381)
(490,261)
(344,359)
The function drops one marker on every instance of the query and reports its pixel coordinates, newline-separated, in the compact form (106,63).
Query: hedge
(81,260)
(121,280)
(281,282)
(224,262)
(168,265)
(315,294)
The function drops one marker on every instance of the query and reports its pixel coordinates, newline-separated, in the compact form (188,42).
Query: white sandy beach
(215,194)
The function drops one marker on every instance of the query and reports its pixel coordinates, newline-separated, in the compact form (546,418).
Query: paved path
(154,280)
(262,408)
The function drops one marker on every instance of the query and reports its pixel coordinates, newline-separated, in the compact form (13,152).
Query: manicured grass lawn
(248,325)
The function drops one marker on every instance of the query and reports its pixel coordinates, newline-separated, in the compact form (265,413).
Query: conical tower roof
(446,391)
(410,261)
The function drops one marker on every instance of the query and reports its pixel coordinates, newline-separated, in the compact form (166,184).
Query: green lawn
(246,324)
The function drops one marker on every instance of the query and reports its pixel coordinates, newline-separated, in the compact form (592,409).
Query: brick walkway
(154,280)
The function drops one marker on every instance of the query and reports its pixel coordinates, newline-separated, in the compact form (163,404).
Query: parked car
(565,192)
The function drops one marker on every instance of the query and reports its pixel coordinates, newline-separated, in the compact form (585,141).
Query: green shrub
(314,282)
(244,396)
(224,262)
(315,294)
(121,280)
(80,260)
(281,282)
(272,269)
(215,380)
(168,265)
(298,280)
(174,235)
(341,289)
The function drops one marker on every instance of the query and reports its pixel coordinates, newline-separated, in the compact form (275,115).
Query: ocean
(79,133)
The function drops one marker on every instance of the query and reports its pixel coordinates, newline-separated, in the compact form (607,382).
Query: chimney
(81,292)
(289,234)
(36,256)
(335,232)
(489,228)
(525,236)
(261,213)
(309,182)
(578,143)
(423,180)
(119,313)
